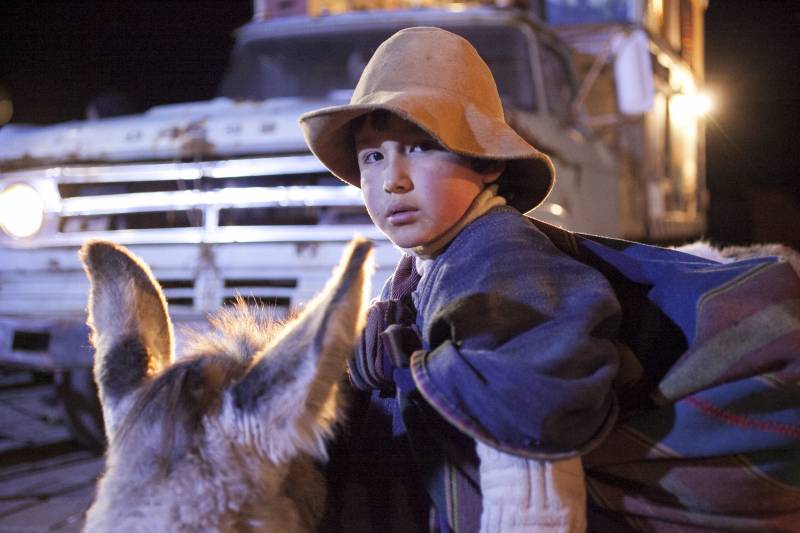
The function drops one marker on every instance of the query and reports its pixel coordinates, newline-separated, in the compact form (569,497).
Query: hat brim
(529,175)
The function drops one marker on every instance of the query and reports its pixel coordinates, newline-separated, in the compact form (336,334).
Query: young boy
(489,355)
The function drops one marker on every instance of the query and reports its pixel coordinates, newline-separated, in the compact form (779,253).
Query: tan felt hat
(436,80)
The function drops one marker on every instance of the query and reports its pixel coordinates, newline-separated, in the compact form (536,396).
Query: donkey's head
(230,423)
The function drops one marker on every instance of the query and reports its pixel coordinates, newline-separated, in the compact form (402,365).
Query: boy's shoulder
(501,232)
(502,247)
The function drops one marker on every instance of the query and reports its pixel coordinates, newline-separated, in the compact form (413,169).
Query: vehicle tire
(83,415)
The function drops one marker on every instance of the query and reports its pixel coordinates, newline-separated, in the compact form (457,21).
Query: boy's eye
(371,157)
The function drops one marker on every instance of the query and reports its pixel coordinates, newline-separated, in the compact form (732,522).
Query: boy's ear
(493,171)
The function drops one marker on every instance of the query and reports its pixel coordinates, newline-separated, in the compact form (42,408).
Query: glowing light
(702,103)
(687,108)
(21,210)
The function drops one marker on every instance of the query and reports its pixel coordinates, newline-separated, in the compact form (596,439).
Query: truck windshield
(315,66)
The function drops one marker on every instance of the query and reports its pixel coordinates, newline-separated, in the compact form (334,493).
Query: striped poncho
(708,437)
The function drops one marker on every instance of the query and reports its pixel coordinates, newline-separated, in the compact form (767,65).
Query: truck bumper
(44,345)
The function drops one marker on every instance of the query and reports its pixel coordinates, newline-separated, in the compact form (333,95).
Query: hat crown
(430,60)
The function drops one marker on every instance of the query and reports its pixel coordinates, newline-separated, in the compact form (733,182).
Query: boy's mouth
(400,214)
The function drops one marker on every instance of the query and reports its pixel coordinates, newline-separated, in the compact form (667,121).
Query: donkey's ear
(131,330)
(292,390)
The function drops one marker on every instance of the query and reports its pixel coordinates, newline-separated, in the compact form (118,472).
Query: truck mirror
(633,73)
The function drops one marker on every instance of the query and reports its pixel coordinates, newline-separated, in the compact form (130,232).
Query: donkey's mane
(186,391)
(240,331)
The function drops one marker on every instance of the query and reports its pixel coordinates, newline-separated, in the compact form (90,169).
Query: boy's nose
(395,175)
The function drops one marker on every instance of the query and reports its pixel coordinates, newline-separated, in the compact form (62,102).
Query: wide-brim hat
(436,80)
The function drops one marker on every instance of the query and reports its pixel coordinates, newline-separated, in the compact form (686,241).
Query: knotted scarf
(381,363)
(389,337)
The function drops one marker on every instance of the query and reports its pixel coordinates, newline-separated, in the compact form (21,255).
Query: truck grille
(199,202)
(271,292)
(205,183)
(178,292)
(275,292)
(148,220)
(267,230)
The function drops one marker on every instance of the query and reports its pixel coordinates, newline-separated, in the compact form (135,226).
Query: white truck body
(223,198)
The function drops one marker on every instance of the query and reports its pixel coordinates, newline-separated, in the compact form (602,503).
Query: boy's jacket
(706,429)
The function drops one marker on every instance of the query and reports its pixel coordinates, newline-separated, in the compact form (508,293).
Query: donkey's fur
(224,439)
(735,253)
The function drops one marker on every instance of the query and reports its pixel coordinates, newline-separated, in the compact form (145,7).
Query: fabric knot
(390,334)
(405,278)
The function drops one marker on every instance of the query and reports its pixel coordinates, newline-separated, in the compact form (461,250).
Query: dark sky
(753,67)
(753,64)
(57,55)
(54,56)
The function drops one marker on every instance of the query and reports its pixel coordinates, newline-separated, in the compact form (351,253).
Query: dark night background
(55,56)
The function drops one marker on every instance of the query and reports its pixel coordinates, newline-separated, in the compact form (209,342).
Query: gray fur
(125,367)
(735,253)
(225,438)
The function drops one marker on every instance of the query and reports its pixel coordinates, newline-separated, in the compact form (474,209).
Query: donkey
(228,437)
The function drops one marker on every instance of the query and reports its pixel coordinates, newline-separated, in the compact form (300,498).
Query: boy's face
(415,190)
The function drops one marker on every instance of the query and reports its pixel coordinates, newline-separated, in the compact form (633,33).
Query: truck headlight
(21,210)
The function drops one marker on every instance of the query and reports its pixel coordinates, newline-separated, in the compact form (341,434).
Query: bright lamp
(21,210)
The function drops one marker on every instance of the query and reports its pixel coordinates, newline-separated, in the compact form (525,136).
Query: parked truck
(222,197)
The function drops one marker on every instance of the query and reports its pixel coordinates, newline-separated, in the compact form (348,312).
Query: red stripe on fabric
(712,410)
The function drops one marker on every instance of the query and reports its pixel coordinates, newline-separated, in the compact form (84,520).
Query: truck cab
(223,199)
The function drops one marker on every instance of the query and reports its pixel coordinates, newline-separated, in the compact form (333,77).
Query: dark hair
(379,119)
(484,166)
